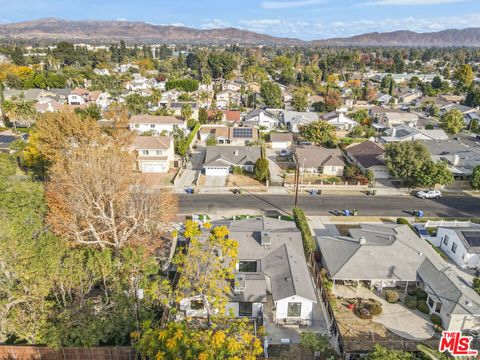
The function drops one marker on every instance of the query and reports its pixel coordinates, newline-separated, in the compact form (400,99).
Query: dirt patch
(242,180)
(287,352)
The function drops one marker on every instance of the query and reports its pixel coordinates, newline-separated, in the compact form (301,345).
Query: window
(454,247)
(445,239)
(196,304)
(137,126)
(159,152)
(247,266)
(152,126)
(294,309)
(438,307)
(144,152)
(244,309)
(430,302)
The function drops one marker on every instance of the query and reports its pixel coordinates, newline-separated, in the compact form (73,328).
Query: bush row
(301,222)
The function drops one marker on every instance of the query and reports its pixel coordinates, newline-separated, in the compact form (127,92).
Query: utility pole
(297,177)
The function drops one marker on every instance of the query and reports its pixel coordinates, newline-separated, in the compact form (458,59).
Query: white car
(429,194)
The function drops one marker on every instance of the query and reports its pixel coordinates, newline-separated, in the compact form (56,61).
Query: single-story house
(281,141)
(294,119)
(261,118)
(176,107)
(7,137)
(220,160)
(461,244)
(342,122)
(407,133)
(391,255)
(368,156)
(391,117)
(228,134)
(155,154)
(468,112)
(145,123)
(320,160)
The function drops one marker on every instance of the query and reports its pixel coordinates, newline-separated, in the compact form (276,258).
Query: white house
(75,99)
(461,244)
(261,118)
(294,119)
(155,154)
(320,160)
(342,122)
(281,141)
(158,124)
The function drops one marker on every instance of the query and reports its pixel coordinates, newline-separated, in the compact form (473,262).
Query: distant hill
(452,37)
(100,31)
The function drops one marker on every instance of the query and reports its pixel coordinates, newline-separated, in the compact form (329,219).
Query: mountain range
(101,31)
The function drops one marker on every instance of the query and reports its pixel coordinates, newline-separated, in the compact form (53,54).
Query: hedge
(437,320)
(411,302)
(193,133)
(309,245)
(402,221)
(423,307)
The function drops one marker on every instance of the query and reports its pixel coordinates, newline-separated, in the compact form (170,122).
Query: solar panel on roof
(242,132)
(473,237)
(401,133)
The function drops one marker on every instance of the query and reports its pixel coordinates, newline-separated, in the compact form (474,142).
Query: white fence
(445,223)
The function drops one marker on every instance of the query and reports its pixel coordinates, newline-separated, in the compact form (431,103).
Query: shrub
(302,225)
(423,307)
(237,170)
(376,308)
(421,295)
(437,320)
(402,221)
(476,285)
(363,313)
(391,296)
(411,302)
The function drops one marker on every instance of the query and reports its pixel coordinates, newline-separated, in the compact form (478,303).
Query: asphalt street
(448,206)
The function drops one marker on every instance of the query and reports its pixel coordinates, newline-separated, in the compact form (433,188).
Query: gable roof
(231,155)
(314,157)
(151,142)
(281,137)
(153,119)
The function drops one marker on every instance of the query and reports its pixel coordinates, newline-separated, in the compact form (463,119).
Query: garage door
(209,171)
(153,168)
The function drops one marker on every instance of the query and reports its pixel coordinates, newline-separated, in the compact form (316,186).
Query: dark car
(420,230)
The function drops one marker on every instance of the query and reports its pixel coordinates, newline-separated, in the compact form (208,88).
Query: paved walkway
(407,323)
(215,181)
(190,174)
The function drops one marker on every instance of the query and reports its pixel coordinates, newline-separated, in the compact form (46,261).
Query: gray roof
(28,94)
(372,253)
(395,252)
(299,117)
(282,261)
(315,157)
(461,158)
(470,238)
(255,288)
(368,154)
(231,155)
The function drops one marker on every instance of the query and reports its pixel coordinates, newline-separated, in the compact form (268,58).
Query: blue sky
(305,19)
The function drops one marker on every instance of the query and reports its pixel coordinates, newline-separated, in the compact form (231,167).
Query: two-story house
(157,124)
(155,154)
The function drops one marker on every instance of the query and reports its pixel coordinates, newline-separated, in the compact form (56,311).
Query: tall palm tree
(20,109)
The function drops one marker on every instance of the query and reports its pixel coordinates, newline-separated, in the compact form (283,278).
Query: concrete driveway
(275,170)
(215,181)
(192,171)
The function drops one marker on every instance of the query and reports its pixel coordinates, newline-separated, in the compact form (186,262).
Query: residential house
(368,156)
(320,160)
(28,94)
(261,118)
(391,256)
(139,83)
(155,154)
(50,106)
(227,98)
(391,117)
(176,107)
(294,119)
(341,122)
(232,117)
(157,124)
(220,160)
(78,96)
(272,282)
(232,86)
(101,72)
(219,132)
(228,134)
(100,98)
(468,113)
(281,141)
(7,137)
(383,98)
(407,133)
(407,97)
(169,96)
(461,244)
(461,159)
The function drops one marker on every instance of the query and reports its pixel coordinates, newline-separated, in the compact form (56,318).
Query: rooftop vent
(240,283)
(235,153)
(265,238)
(363,241)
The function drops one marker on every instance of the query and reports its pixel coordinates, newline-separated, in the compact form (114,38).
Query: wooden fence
(12,352)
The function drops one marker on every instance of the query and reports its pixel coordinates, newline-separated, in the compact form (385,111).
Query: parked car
(283,153)
(429,194)
(420,230)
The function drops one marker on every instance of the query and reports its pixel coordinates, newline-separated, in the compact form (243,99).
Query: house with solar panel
(461,244)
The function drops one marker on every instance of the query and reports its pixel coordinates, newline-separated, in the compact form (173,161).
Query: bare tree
(96,199)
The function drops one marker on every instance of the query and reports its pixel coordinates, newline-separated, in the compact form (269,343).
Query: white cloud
(214,24)
(410,2)
(290,4)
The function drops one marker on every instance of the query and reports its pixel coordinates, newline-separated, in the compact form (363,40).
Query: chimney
(265,238)
(456,159)
(235,153)
(363,241)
